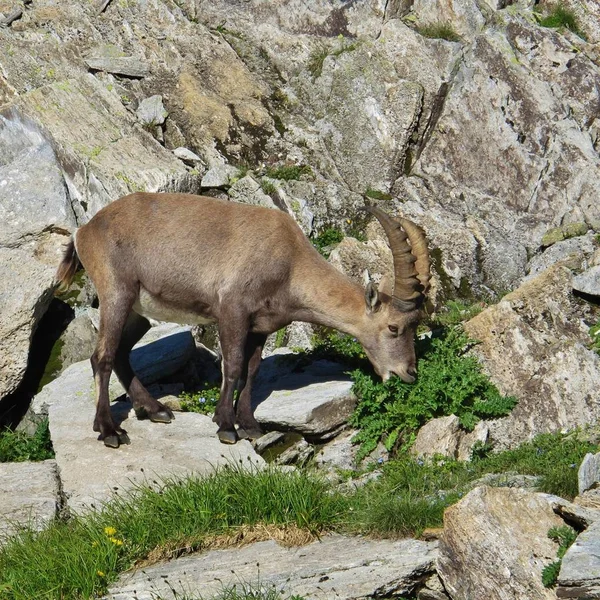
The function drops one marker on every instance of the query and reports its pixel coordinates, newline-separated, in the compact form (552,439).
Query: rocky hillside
(477,119)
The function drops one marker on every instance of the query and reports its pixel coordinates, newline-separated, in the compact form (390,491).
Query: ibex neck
(331,299)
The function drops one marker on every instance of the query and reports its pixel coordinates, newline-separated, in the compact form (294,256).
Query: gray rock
(339,454)
(29,495)
(79,341)
(315,402)
(108,154)
(219,176)
(270,439)
(504,531)
(298,454)
(438,436)
(336,566)
(248,191)
(35,217)
(579,575)
(534,345)
(588,282)
(158,359)
(151,112)
(163,351)
(129,66)
(588,475)
(91,473)
(575,252)
(187,156)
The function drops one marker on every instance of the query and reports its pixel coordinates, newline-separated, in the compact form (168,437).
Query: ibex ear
(372,298)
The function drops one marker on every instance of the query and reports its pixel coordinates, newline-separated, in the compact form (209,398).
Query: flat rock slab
(334,567)
(28,495)
(91,472)
(314,402)
(580,570)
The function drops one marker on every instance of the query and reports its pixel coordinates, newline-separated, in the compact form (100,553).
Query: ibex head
(394,313)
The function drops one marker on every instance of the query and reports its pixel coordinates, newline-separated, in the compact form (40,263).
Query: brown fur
(249,268)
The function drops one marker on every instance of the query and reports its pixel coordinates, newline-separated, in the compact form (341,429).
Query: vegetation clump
(450,382)
(203,401)
(289,172)
(564,536)
(439,31)
(17,446)
(326,240)
(559,16)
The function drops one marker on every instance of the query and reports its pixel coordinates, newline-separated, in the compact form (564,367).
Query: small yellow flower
(100,573)
(110,531)
(94,544)
(116,541)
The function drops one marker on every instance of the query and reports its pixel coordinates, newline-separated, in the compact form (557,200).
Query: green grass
(377,194)
(439,31)
(559,16)
(455,312)
(16,446)
(564,537)
(81,557)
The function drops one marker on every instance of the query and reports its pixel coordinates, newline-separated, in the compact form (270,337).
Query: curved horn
(411,260)
(418,244)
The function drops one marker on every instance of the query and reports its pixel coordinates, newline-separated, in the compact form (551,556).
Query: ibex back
(192,259)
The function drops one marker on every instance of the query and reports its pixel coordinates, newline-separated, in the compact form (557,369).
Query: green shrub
(439,31)
(595,335)
(289,172)
(203,402)
(564,536)
(16,446)
(326,240)
(559,16)
(449,383)
(268,187)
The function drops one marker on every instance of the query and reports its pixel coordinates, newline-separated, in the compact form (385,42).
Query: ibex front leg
(233,340)
(248,426)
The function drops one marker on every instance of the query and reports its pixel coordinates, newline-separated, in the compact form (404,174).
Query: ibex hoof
(227,436)
(162,416)
(249,433)
(117,439)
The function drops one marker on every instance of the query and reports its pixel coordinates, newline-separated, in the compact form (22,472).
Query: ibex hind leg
(144,404)
(114,309)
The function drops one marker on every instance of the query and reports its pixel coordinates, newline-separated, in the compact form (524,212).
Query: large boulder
(534,344)
(495,545)
(35,215)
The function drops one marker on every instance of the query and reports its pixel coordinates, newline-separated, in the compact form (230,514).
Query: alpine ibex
(192,259)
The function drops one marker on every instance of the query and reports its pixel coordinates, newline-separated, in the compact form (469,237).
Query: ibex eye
(393,328)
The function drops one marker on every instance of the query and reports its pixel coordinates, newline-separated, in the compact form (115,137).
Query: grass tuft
(559,16)
(439,31)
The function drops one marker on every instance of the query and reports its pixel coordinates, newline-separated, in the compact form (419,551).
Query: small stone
(588,282)
(187,156)
(220,176)
(552,236)
(121,65)
(151,111)
(588,476)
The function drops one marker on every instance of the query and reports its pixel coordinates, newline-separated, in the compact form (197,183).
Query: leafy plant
(268,187)
(203,402)
(326,240)
(288,172)
(559,16)
(595,335)
(449,382)
(440,31)
(564,536)
(16,446)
